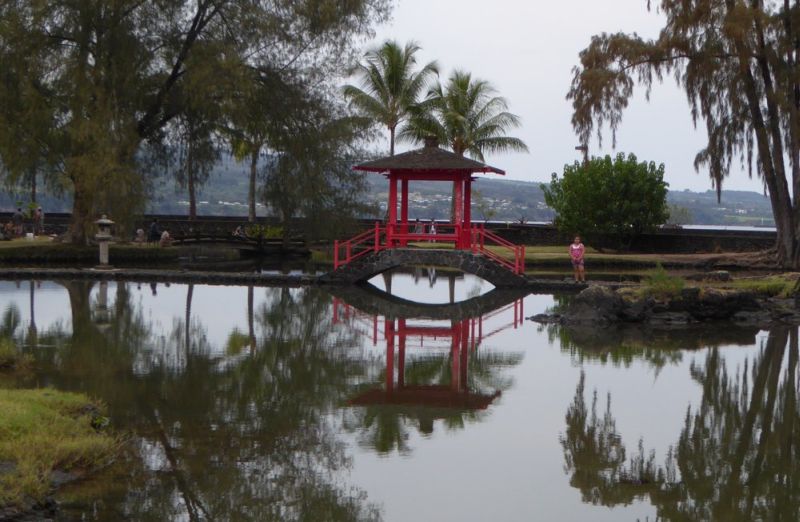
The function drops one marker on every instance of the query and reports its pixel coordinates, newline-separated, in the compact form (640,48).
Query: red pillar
(464,353)
(455,345)
(404,209)
(392,209)
(390,357)
(401,354)
(466,234)
(458,207)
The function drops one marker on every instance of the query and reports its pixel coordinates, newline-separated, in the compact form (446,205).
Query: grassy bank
(42,431)
(44,251)
(557,257)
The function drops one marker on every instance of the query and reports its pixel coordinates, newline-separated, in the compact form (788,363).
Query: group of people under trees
(20,224)
(154,235)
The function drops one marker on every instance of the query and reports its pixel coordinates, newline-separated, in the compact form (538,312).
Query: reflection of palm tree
(736,455)
(11,321)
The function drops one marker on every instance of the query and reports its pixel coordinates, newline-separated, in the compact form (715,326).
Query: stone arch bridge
(374,263)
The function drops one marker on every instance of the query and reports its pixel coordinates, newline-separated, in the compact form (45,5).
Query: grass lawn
(43,250)
(558,257)
(16,243)
(45,430)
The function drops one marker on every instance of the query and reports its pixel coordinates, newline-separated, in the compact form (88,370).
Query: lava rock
(595,305)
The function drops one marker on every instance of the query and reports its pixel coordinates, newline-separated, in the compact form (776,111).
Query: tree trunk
(786,242)
(80,216)
(251,331)
(33,186)
(286,216)
(188,321)
(391,140)
(190,184)
(787,239)
(251,194)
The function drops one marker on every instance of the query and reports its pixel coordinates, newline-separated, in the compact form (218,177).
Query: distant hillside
(225,193)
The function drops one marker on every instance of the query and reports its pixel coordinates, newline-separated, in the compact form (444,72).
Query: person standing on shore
(576,251)
(37,221)
(18,219)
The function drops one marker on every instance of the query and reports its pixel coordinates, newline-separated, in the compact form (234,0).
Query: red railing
(481,238)
(424,232)
(358,246)
(477,240)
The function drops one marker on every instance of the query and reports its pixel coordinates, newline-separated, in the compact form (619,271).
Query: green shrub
(10,358)
(8,353)
(658,283)
(264,231)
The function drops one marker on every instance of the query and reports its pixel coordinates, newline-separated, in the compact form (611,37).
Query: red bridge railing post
(336,254)
(377,237)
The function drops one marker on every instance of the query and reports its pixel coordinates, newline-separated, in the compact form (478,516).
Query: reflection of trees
(621,345)
(245,437)
(735,459)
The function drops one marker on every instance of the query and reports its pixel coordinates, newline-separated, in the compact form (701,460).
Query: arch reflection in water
(430,284)
(434,367)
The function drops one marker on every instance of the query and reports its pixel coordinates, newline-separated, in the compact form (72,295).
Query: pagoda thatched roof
(430,158)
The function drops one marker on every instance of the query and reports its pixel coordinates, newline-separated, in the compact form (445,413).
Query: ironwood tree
(107,77)
(737,61)
(311,175)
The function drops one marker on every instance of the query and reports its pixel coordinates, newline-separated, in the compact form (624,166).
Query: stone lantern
(103,237)
(101,315)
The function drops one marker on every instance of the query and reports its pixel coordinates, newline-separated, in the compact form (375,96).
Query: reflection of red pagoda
(464,337)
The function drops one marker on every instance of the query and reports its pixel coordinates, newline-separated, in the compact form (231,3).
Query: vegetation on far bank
(661,284)
(46,430)
(46,251)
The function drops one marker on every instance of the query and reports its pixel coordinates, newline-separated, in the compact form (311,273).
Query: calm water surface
(294,404)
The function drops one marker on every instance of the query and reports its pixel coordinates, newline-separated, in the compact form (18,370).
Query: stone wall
(672,240)
(667,240)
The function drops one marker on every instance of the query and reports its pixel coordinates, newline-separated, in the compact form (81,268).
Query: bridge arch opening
(430,284)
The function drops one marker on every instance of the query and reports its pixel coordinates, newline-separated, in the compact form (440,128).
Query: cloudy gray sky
(526,49)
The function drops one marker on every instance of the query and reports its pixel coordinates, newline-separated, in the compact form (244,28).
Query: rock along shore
(604,306)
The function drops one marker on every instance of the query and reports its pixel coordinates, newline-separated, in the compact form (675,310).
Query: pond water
(295,404)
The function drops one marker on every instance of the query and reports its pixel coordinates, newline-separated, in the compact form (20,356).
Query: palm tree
(466,115)
(389,84)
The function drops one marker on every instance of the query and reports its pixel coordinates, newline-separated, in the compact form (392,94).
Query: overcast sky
(527,49)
